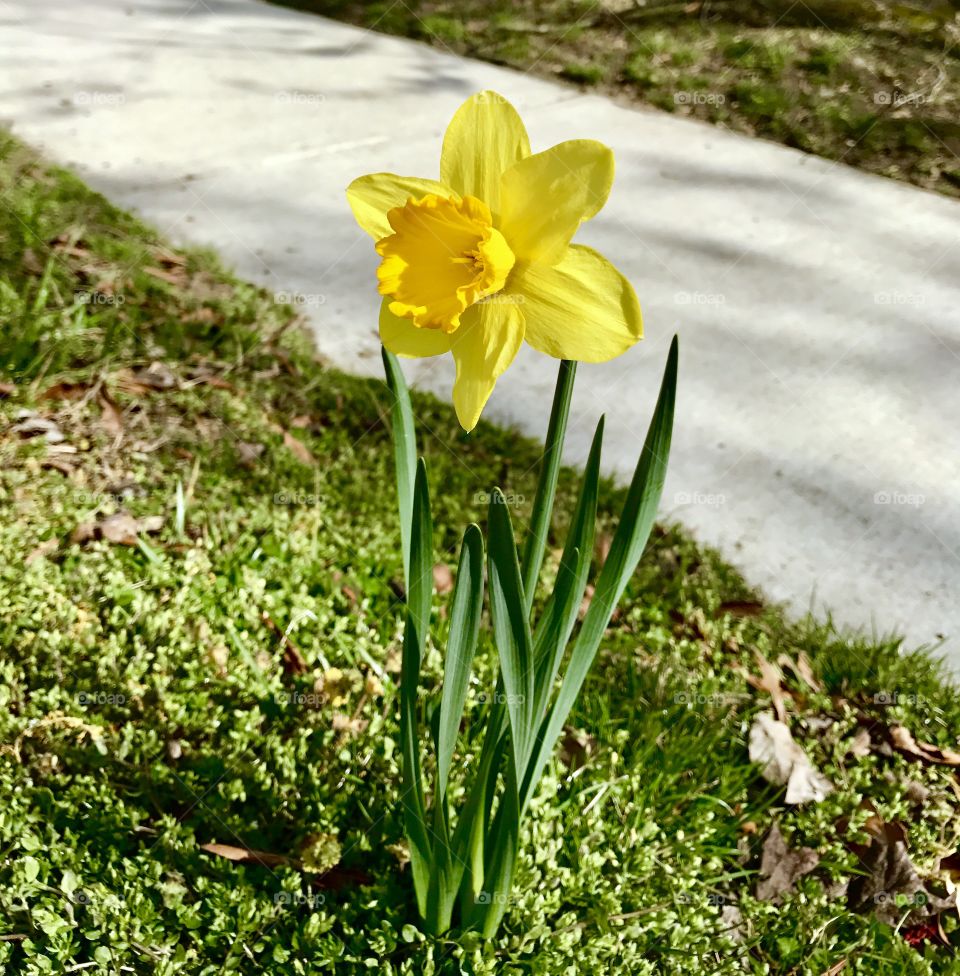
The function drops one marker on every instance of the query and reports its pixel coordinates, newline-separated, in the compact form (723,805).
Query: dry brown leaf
(120,529)
(784,763)
(770,681)
(741,608)
(111,419)
(836,968)
(244,855)
(576,747)
(7,389)
(345,723)
(805,671)
(249,453)
(30,424)
(442,578)
(293,660)
(155,378)
(781,867)
(65,391)
(903,741)
(299,450)
(46,548)
(889,885)
(859,744)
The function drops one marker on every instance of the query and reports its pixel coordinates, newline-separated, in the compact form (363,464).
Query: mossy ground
(150,705)
(870,83)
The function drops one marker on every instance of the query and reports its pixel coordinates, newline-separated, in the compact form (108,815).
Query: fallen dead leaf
(30,424)
(244,855)
(741,608)
(904,742)
(442,578)
(298,449)
(781,867)
(860,744)
(293,660)
(46,548)
(770,681)
(249,453)
(836,968)
(889,885)
(155,378)
(65,391)
(121,528)
(111,419)
(784,763)
(348,724)
(576,747)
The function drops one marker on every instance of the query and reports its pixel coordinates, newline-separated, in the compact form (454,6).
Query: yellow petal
(490,334)
(370,197)
(404,338)
(484,138)
(581,308)
(544,198)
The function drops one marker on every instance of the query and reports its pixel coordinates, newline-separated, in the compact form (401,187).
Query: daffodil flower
(481,260)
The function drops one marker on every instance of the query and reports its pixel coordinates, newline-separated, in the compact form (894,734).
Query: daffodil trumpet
(475,264)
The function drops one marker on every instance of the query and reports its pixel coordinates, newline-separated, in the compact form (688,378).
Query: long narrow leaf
(547,482)
(414,642)
(511,629)
(414,818)
(461,645)
(636,521)
(560,614)
(420,576)
(404,449)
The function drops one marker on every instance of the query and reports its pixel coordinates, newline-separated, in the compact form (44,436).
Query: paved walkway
(818,433)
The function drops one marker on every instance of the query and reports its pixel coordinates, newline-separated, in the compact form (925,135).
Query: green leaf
(465,613)
(511,629)
(420,586)
(404,449)
(420,575)
(636,521)
(560,615)
(547,483)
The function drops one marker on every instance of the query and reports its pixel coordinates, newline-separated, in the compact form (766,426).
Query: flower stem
(536,542)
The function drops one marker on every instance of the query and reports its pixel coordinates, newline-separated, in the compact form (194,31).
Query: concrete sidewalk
(818,429)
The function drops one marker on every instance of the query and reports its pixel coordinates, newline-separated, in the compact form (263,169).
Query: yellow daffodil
(480,260)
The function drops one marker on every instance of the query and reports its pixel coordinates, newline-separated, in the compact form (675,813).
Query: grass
(872,83)
(150,704)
